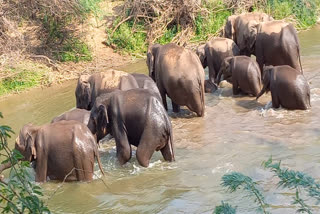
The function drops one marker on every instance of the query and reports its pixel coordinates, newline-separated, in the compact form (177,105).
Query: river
(236,134)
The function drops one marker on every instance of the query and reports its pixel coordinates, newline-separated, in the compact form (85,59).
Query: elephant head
(201,52)
(225,69)
(247,46)
(151,56)
(26,142)
(99,122)
(267,73)
(83,92)
(229,31)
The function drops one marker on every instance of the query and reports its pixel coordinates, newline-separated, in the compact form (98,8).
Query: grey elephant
(212,55)
(134,117)
(65,149)
(147,82)
(237,24)
(89,87)
(274,43)
(289,88)
(244,74)
(179,74)
(81,115)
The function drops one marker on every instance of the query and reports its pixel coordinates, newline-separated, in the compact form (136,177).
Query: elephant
(244,73)
(274,43)
(134,117)
(179,74)
(89,87)
(289,88)
(212,55)
(147,82)
(236,25)
(77,114)
(65,150)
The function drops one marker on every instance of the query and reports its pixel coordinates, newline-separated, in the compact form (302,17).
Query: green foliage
(74,50)
(290,179)
(18,194)
(168,35)
(224,208)
(213,22)
(304,11)
(22,76)
(128,37)
(235,180)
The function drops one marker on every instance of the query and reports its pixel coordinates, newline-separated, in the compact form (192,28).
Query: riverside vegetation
(137,24)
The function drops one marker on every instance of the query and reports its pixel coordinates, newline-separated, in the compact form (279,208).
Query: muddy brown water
(236,134)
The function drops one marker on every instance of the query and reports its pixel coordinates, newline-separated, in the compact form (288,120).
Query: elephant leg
(163,96)
(175,107)
(235,86)
(41,169)
(166,152)
(145,150)
(122,143)
(275,100)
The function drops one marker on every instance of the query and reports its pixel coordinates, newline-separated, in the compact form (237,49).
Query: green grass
(210,25)
(27,75)
(125,39)
(168,35)
(74,50)
(305,12)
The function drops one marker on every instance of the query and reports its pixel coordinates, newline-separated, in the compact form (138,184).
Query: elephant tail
(300,60)
(98,160)
(201,84)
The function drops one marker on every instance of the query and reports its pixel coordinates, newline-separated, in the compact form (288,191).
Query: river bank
(126,44)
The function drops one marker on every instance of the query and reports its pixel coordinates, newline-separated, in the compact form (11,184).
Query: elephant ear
(251,39)
(229,31)
(150,63)
(201,52)
(102,119)
(30,147)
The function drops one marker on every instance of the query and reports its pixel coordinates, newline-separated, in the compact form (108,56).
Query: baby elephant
(244,74)
(76,114)
(64,148)
(134,117)
(289,88)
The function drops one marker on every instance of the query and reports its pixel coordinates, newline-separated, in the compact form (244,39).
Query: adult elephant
(289,88)
(89,87)
(76,114)
(274,43)
(244,74)
(61,150)
(212,55)
(237,24)
(146,82)
(179,74)
(134,117)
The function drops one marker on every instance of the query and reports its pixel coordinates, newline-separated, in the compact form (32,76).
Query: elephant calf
(244,73)
(64,148)
(89,87)
(289,88)
(212,55)
(134,117)
(76,114)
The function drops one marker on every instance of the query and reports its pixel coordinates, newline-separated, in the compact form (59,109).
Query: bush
(299,182)
(127,38)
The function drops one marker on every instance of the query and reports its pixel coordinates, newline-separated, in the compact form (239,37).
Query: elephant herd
(132,108)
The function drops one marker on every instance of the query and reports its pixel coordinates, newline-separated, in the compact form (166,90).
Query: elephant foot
(210,87)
